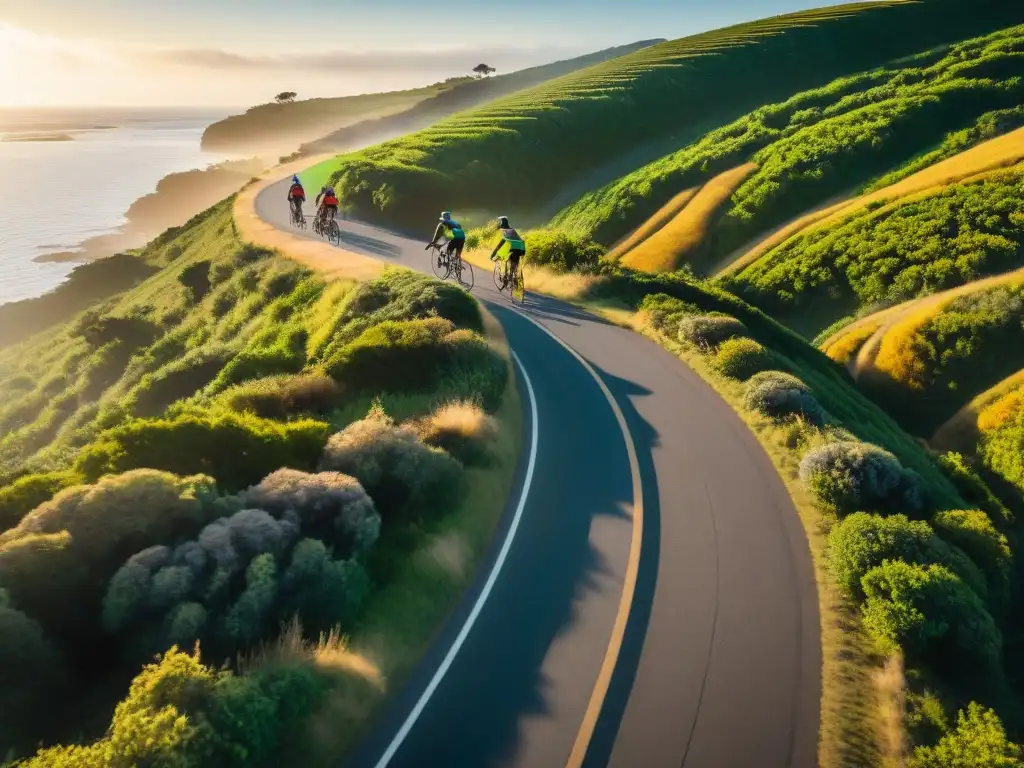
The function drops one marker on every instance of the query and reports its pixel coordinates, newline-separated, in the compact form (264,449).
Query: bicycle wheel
(499,277)
(334,233)
(464,274)
(440,264)
(519,287)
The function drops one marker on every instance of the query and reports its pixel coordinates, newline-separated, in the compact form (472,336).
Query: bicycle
(514,283)
(328,229)
(298,217)
(444,266)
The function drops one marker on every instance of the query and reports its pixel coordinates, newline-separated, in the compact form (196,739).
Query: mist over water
(57,193)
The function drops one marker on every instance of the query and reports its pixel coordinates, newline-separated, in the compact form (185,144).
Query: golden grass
(855,725)
(465,419)
(987,410)
(842,346)
(988,156)
(406,614)
(892,686)
(681,238)
(664,215)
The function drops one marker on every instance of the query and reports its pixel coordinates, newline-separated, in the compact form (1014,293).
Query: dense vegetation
(886,254)
(818,143)
(194,461)
(518,152)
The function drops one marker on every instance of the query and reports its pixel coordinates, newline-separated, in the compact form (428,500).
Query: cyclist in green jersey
(509,249)
(450,228)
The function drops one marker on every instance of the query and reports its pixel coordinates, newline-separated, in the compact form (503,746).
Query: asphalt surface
(720,663)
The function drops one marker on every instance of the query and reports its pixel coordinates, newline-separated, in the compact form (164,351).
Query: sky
(235,53)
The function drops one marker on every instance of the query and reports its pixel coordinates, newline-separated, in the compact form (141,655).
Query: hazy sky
(241,52)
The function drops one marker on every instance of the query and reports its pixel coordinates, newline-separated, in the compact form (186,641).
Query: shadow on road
(371,245)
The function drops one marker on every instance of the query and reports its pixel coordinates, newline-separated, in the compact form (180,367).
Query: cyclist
(296,196)
(509,249)
(450,228)
(326,202)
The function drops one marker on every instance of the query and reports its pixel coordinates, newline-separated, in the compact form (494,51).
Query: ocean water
(55,194)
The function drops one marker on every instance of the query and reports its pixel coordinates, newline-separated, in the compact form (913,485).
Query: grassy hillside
(819,143)
(229,446)
(520,151)
(320,125)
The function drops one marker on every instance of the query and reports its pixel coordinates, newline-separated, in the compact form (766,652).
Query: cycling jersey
(330,201)
(510,244)
(296,192)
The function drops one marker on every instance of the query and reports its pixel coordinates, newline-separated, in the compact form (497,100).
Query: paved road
(719,660)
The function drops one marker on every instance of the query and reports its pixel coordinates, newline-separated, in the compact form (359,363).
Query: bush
(284,352)
(133,332)
(560,251)
(850,476)
(237,449)
(328,506)
(978,741)
(26,493)
(973,532)
(862,542)
(32,673)
(776,395)
(972,488)
(180,712)
(408,481)
(56,563)
(742,358)
(278,397)
(196,279)
(665,312)
(462,429)
(475,371)
(709,331)
(929,612)
(179,379)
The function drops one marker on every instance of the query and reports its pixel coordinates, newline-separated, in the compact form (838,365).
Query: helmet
(503,222)
(446,215)
(330,190)
(295,180)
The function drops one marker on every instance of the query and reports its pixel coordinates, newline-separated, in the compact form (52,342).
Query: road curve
(707,623)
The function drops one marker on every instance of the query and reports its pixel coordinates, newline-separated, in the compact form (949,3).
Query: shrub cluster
(777,394)
(562,252)
(849,476)
(408,480)
(741,358)
(281,397)
(708,331)
(28,492)
(460,428)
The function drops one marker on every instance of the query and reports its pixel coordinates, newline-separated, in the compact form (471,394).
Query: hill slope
(350,120)
(518,152)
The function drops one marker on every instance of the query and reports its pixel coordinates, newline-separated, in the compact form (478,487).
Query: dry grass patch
(961,432)
(681,239)
(461,428)
(664,215)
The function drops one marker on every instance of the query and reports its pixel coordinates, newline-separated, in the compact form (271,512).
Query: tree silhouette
(285,97)
(483,70)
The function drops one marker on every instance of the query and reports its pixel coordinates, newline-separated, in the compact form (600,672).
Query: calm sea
(55,194)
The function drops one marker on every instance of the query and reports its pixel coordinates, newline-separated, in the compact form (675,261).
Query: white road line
(435,681)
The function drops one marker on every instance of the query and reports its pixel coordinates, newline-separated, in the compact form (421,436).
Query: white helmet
(503,222)
(446,216)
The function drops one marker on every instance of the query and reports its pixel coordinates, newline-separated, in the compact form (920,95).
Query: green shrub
(560,251)
(863,541)
(852,476)
(394,356)
(408,481)
(179,379)
(973,489)
(28,492)
(930,613)
(474,371)
(180,712)
(973,532)
(978,741)
(279,397)
(237,449)
(196,279)
(665,312)
(462,429)
(329,506)
(133,331)
(709,331)
(284,352)
(56,562)
(742,358)
(776,394)
(32,672)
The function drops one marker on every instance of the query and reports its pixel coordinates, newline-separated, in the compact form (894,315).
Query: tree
(285,97)
(482,70)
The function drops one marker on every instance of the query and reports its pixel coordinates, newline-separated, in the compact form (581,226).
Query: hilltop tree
(482,70)
(285,97)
